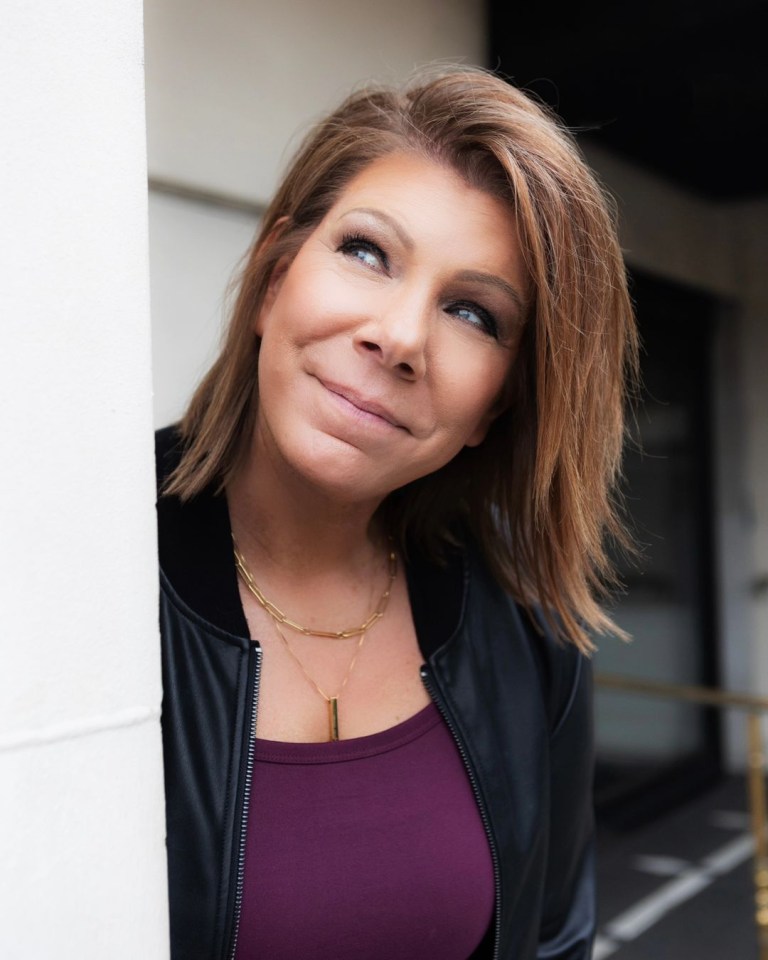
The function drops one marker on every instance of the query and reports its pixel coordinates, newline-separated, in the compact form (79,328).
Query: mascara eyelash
(489,320)
(350,239)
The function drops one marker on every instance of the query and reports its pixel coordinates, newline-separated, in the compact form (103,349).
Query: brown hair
(538,493)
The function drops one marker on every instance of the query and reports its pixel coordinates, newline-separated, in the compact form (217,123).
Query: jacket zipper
(437,700)
(246,802)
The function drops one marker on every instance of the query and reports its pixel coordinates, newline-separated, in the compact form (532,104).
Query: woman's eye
(476,315)
(364,250)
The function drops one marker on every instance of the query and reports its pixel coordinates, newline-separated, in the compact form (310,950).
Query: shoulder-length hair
(538,493)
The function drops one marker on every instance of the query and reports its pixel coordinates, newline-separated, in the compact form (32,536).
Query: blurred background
(670,104)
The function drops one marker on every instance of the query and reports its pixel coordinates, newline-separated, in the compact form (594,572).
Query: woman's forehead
(420,201)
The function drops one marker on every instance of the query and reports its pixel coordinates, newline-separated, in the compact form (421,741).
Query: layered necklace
(280,620)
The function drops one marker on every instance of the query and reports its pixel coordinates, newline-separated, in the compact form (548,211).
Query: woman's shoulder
(457,602)
(195,544)
(563,670)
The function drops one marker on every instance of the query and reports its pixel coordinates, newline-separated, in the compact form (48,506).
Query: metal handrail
(756,767)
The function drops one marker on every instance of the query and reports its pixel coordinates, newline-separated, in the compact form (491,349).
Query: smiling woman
(387,340)
(411,436)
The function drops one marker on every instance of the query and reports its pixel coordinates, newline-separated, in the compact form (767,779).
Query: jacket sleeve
(568,911)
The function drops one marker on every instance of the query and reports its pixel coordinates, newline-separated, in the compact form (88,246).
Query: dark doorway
(652,753)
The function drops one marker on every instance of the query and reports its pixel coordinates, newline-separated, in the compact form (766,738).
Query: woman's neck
(286,527)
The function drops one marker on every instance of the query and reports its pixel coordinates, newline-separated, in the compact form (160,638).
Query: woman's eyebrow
(491,280)
(403,236)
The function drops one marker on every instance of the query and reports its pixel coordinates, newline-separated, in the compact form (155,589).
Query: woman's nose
(397,336)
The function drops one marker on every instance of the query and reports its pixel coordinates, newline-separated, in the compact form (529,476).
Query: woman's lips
(372,408)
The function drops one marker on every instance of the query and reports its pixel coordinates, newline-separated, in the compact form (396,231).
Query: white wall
(229,84)
(82,860)
(195,250)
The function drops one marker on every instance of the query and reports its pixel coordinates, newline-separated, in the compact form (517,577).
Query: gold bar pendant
(333,717)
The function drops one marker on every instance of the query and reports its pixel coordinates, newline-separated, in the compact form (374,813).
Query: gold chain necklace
(280,619)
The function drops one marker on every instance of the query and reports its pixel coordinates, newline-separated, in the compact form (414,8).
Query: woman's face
(387,340)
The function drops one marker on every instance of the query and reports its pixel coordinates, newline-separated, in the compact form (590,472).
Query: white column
(82,862)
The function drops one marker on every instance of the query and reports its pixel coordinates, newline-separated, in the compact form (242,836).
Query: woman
(381,539)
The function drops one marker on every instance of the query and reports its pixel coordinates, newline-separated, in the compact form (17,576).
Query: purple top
(371,847)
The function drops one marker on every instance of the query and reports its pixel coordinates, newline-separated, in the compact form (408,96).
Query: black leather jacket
(518,705)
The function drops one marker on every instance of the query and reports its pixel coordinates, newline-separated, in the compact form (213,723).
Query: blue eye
(366,251)
(477,316)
